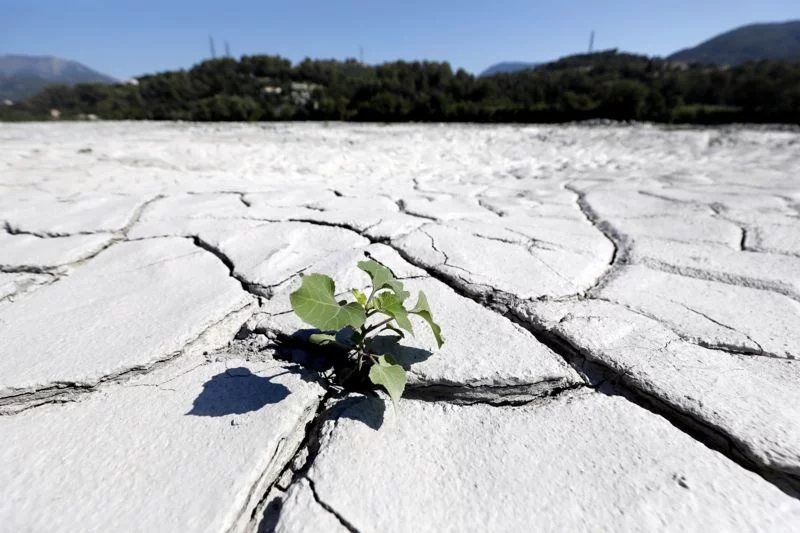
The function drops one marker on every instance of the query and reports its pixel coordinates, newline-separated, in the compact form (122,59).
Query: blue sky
(125,38)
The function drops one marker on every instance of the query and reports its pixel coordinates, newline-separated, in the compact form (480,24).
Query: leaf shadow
(369,410)
(404,355)
(237,391)
(366,407)
(298,349)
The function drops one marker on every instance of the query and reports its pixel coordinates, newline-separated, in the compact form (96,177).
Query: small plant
(351,327)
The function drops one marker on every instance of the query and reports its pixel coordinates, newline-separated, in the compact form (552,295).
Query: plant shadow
(237,391)
(368,410)
(404,355)
(329,364)
(298,349)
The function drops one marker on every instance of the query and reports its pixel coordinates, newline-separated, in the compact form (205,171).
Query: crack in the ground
(328,411)
(725,326)
(251,288)
(28,286)
(240,194)
(494,395)
(308,447)
(271,473)
(619,241)
(484,204)
(29,269)
(597,372)
(14,230)
(342,520)
(120,234)
(403,208)
(70,391)
(730,349)
(735,280)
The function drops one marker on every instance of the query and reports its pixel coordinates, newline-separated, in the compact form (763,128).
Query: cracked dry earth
(620,305)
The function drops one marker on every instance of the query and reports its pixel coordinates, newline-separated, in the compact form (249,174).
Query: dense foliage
(18,87)
(776,41)
(601,85)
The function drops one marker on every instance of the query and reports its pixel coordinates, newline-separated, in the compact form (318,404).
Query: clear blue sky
(130,37)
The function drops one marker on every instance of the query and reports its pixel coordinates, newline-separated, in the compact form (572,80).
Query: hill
(602,85)
(22,76)
(505,68)
(773,41)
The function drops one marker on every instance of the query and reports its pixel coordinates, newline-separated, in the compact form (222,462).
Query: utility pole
(227,49)
(361,54)
(591,43)
(211,44)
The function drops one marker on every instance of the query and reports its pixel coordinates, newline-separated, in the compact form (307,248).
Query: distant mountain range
(22,76)
(511,66)
(748,43)
(779,40)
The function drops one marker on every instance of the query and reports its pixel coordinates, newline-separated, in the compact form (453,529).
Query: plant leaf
(424,311)
(315,304)
(389,375)
(388,304)
(378,273)
(321,338)
(360,296)
(382,278)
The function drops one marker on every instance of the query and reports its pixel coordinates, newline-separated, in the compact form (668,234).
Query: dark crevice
(494,395)
(138,213)
(342,520)
(743,240)
(13,230)
(491,208)
(401,205)
(725,348)
(615,381)
(759,351)
(735,280)
(620,254)
(120,233)
(596,372)
(28,269)
(70,391)
(263,513)
(252,288)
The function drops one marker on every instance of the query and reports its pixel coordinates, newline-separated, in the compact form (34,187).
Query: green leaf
(378,273)
(389,375)
(382,278)
(388,304)
(360,296)
(315,304)
(321,338)
(423,310)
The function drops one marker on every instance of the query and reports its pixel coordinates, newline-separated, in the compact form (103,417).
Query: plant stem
(371,294)
(376,326)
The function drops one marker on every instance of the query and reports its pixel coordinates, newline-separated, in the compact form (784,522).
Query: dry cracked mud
(620,304)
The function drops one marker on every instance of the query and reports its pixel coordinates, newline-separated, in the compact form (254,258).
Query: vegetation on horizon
(607,85)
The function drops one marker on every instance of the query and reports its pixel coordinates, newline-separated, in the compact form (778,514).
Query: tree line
(607,85)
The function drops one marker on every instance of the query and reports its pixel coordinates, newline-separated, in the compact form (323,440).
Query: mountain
(773,41)
(504,68)
(22,76)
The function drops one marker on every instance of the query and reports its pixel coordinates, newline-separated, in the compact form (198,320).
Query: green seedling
(352,326)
